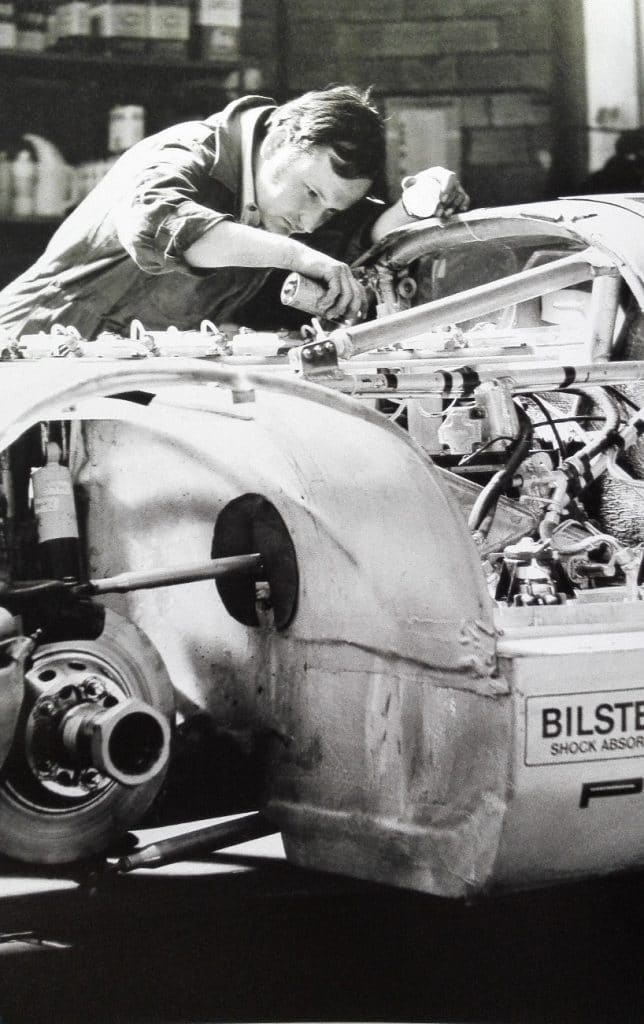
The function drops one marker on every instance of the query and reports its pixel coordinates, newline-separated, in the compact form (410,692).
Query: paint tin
(126,126)
(303,293)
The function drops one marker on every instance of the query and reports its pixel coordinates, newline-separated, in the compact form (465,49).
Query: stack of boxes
(206,30)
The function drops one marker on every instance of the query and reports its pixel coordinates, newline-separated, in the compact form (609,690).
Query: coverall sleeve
(162,211)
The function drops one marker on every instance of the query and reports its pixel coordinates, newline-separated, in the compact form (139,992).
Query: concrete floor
(243,936)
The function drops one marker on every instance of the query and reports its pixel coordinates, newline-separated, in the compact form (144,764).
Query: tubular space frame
(478,301)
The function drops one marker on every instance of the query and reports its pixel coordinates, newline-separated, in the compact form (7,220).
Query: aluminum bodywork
(453,701)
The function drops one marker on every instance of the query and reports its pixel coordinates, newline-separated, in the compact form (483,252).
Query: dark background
(209,942)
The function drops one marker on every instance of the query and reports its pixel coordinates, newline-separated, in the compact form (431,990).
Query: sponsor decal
(565,728)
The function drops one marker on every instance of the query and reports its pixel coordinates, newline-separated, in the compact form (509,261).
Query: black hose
(485,505)
(551,422)
(620,396)
(607,433)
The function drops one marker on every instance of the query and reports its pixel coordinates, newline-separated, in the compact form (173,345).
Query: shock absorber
(56,519)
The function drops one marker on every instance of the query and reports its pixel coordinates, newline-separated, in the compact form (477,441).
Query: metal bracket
(315,359)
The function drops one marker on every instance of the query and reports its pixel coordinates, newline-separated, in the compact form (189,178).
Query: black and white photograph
(321,511)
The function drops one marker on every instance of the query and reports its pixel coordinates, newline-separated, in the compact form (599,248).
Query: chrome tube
(485,298)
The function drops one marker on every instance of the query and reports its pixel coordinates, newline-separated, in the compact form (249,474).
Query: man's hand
(228,244)
(343,297)
(434,192)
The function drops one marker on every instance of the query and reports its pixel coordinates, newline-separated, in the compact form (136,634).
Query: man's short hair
(342,118)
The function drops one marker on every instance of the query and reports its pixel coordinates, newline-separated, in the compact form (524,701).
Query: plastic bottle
(51,188)
(24,173)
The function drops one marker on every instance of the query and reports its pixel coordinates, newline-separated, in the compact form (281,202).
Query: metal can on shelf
(217,28)
(8,35)
(119,26)
(168,28)
(126,126)
(70,26)
(31,17)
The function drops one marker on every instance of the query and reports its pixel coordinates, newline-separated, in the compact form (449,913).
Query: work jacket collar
(245,119)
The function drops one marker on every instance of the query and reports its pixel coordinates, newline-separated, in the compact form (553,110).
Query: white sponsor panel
(566,728)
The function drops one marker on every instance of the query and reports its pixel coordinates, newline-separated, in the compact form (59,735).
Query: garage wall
(260,43)
(491,58)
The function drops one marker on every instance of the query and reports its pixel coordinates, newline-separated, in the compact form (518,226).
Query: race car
(396,565)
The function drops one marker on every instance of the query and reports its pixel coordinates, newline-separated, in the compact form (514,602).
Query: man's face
(297,190)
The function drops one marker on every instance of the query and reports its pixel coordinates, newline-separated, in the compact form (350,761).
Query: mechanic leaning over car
(189,222)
